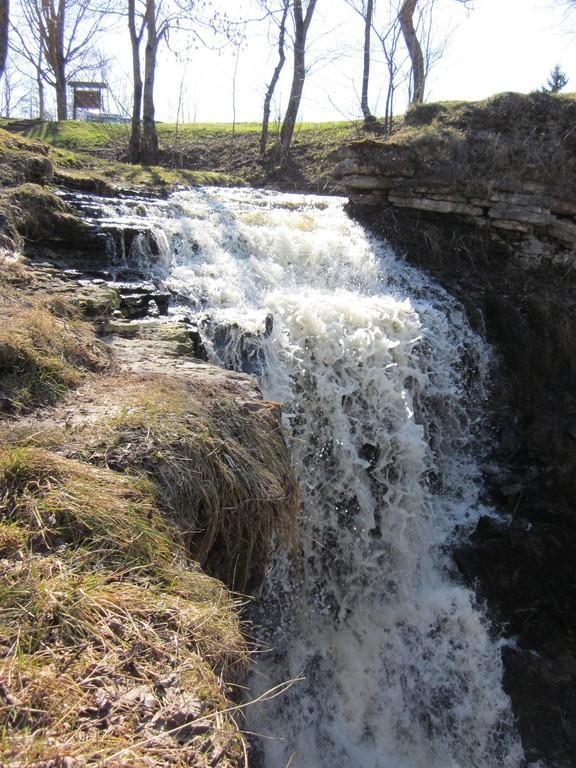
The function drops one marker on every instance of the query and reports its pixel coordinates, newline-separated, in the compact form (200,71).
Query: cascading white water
(380,378)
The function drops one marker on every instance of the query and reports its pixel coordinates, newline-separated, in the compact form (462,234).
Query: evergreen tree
(556,81)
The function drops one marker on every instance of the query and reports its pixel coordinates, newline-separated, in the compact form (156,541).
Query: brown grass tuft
(63,502)
(44,348)
(114,649)
(220,468)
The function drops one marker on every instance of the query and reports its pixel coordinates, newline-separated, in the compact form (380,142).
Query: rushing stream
(381,381)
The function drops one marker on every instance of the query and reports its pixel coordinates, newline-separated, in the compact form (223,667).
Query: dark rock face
(507,250)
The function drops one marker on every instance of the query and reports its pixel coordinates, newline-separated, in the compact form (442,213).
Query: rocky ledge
(483,197)
(504,168)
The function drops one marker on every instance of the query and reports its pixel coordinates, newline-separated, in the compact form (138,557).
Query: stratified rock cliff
(483,196)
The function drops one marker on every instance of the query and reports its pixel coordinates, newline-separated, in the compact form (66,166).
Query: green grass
(88,155)
(84,136)
(23,158)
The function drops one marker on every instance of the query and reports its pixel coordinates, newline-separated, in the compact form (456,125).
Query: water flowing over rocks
(482,197)
(380,376)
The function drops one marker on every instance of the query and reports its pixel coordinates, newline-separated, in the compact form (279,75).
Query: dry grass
(508,142)
(115,649)
(23,159)
(62,502)
(45,348)
(220,468)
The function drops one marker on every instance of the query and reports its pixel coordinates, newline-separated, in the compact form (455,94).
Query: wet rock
(136,300)
(513,489)
(249,346)
(370,453)
(153,310)
(5,403)
(198,347)
(134,245)
(544,692)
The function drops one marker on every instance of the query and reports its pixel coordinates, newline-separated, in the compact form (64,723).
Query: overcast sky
(499,45)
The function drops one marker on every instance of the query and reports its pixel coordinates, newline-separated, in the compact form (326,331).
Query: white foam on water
(381,381)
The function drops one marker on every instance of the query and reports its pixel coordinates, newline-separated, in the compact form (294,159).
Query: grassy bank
(30,171)
(223,153)
(126,501)
(199,148)
(73,158)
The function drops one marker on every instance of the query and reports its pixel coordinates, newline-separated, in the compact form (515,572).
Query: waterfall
(381,381)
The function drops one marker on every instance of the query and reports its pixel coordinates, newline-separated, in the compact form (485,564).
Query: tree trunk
(406,17)
(368,117)
(41,101)
(136,129)
(389,113)
(275,78)
(149,154)
(53,42)
(301,26)
(60,87)
(4,16)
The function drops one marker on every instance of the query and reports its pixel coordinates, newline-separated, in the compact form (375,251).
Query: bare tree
(4,23)
(136,26)
(433,47)
(57,38)
(156,19)
(406,18)
(187,19)
(238,45)
(285,8)
(30,63)
(154,34)
(365,8)
(389,34)
(418,38)
(302,19)
(12,92)
(368,16)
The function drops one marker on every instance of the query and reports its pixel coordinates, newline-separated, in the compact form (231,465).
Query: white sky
(499,45)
